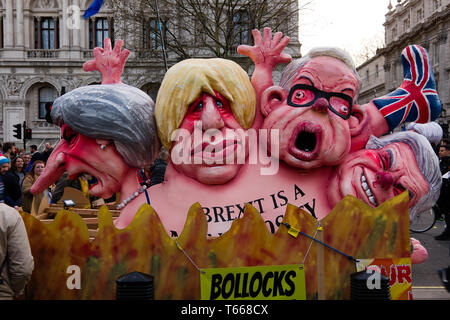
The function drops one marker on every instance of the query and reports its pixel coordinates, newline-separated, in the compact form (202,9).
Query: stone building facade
(43,48)
(422,22)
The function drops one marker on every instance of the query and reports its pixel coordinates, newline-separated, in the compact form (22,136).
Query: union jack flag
(417,99)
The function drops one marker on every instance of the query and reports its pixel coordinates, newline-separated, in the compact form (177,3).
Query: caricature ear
(358,120)
(271,99)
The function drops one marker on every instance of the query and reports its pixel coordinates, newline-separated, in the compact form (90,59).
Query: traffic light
(28,133)
(17,131)
(48,109)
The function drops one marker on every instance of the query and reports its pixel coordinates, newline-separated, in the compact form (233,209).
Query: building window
(367,75)
(394,33)
(241,28)
(435,53)
(436,4)
(377,71)
(419,15)
(46,94)
(394,73)
(46,33)
(1,33)
(99,30)
(152,37)
(406,24)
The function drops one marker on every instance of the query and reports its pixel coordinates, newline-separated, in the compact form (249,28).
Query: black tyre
(424,221)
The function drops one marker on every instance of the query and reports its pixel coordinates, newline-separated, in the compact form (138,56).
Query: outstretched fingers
(257,37)
(267,35)
(118,46)
(90,66)
(107,44)
(124,55)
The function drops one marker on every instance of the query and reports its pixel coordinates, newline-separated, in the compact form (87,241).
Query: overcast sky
(348,24)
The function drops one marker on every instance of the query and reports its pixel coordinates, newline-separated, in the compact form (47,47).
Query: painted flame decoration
(352,227)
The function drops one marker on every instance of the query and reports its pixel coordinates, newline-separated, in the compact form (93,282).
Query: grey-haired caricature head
(116,112)
(387,167)
(426,159)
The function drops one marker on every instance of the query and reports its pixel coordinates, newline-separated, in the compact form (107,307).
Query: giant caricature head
(105,130)
(314,110)
(212,96)
(388,166)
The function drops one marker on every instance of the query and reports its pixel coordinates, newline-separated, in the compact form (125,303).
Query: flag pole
(161,34)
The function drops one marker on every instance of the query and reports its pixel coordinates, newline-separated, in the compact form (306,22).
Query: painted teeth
(367,190)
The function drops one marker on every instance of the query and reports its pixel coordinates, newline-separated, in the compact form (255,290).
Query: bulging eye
(302,97)
(344,109)
(299,95)
(199,106)
(219,104)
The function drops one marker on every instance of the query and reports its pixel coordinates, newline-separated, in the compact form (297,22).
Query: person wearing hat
(8,188)
(4,166)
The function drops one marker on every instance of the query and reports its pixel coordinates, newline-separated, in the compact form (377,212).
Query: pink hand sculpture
(267,51)
(108,62)
(266,54)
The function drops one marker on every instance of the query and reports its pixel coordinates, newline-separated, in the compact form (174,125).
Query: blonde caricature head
(185,81)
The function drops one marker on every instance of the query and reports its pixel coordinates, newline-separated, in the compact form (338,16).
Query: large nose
(320,105)
(211,118)
(386,179)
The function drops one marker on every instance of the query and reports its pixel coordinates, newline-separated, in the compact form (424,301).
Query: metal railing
(42,53)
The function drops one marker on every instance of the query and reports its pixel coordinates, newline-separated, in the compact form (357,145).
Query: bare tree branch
(203,27)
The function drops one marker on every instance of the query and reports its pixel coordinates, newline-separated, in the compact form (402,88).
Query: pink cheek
(189,119)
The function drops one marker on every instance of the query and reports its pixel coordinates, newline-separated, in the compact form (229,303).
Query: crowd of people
(19,170)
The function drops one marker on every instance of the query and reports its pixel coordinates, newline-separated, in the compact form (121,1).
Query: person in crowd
(444,156)
(8,195)
(48,150)
(12,183)
(16,260)
(82,183)
(27,161)
(444,198)
(18,168)
(7,150)
(4,167)
(35,154)
(27,197)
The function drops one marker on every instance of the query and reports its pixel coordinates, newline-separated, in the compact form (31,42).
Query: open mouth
(305,142)
(369,193)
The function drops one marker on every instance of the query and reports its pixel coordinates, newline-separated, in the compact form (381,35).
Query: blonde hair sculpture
(186,80)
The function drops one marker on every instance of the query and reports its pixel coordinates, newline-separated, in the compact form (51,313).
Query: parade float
(271,192)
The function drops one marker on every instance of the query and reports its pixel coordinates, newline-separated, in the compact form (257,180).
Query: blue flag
(93,9)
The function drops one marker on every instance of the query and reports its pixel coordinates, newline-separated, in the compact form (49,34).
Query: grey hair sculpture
(116,112)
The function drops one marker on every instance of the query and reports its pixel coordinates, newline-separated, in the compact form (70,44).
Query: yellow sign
(259,283)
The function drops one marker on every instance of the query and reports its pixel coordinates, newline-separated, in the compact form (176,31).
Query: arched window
(46,94)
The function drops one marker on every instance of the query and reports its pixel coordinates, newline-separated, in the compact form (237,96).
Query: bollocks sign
(259,283)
